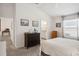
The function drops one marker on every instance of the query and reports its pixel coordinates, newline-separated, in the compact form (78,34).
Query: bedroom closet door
(70,28)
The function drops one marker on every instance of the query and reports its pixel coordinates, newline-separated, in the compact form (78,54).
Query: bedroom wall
(6,16)
(57,19)
(0,10)
(28,11)
(5,23)
(6,10)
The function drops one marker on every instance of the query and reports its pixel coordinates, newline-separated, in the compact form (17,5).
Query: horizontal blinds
(71,26)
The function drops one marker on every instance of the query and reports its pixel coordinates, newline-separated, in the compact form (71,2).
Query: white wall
(7,11)
(57,19)
(5,23)
(26,11)
(0,10)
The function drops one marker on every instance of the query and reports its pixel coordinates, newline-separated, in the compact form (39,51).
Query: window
(71,28)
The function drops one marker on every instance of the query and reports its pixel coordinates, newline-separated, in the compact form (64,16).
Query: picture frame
(35,23)
(24,22)
(58,25)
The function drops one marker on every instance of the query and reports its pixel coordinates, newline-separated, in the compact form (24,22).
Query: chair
(6,31)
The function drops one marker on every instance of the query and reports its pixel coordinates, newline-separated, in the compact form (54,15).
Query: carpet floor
(12,51)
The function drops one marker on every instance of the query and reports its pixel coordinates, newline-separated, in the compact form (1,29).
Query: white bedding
(60,47)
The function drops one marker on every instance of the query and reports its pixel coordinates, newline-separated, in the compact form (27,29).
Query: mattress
(60,47)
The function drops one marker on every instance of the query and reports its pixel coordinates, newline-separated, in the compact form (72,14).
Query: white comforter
(60,47)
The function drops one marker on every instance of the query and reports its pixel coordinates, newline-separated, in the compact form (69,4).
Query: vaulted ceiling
(58,9)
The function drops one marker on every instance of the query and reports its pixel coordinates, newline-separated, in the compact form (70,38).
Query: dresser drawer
(53,34)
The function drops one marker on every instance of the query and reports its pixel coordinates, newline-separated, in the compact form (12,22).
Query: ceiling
(58,9)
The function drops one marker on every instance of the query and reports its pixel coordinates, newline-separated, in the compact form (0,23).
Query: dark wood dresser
(31,39)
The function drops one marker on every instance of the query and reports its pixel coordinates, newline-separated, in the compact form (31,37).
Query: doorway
(7,32)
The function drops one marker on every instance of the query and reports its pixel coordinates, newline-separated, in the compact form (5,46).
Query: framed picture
(58,24)
(35,23)
(24,22)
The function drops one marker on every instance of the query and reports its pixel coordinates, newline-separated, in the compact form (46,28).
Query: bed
(60,47)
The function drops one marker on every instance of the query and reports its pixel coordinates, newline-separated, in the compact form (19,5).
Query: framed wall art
(24,22)
(58,24)
(35,23)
